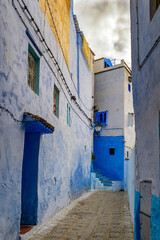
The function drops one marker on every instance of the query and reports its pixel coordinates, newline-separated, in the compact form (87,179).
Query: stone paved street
(99,215)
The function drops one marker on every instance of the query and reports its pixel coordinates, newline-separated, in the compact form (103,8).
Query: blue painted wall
(63,163)
(155,218)
(112,166)
(137,233)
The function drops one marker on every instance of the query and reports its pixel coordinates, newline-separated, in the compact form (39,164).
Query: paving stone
(101,215)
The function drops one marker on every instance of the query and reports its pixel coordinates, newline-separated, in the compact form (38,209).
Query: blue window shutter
(129,87)
(97,117)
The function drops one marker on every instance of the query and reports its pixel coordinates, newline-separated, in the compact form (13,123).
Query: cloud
(106,25)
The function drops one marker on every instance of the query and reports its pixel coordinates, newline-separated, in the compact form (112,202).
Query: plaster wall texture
(131,182)
(98,64)
(64,156)
(146,87)
(111,93)
(111,166)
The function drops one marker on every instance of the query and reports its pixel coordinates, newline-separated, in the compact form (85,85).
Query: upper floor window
(56,101)
(129,87)
(154,4)
(68,115)
(33,70)
(101,117)
(130,119)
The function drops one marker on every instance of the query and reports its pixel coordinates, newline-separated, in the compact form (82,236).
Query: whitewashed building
(145,32)
(114,145)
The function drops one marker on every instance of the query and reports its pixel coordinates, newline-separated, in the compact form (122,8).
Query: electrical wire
(10,113)
(89,109)
(42,39)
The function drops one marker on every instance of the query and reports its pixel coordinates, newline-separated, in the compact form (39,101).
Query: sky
(106,26)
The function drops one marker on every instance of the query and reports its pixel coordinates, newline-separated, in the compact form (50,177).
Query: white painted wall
(111,93)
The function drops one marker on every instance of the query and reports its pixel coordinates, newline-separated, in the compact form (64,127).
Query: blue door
(29,195)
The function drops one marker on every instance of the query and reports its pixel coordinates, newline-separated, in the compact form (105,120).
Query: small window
(154,4)
(101,117)
(56,101)
(129,87)
(68,115)
(112,151)
(130,119)
(33,70)
(127,154)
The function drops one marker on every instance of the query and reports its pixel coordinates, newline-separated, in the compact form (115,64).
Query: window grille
(56,101)
(33,70)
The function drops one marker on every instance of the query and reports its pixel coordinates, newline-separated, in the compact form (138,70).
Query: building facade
(113,146)
(145,32)
(45,112)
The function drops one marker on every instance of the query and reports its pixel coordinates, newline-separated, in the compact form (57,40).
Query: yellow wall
(60,25)
(88,53)
(60,12)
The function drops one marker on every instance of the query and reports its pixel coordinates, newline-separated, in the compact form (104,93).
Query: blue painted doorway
(29,194)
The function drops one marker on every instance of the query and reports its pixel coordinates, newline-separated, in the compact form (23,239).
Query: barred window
(56,101)
(33,70)
(154,4)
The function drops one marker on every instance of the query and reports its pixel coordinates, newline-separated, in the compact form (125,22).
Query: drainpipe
(78,49)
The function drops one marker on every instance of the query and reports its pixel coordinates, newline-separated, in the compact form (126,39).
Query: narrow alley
(79,120)
(98,215)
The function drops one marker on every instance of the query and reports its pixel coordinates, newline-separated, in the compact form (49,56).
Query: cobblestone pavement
(99,215)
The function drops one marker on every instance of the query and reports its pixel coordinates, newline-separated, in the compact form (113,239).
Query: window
(68,115)
(101,117)
(112,151)
(129,87)
(130,119)
(33,70)
(56,101)
(154,4)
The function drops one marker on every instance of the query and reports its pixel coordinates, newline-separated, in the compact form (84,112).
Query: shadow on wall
(79,183)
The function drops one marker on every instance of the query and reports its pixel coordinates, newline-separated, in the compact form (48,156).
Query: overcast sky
(106,26)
